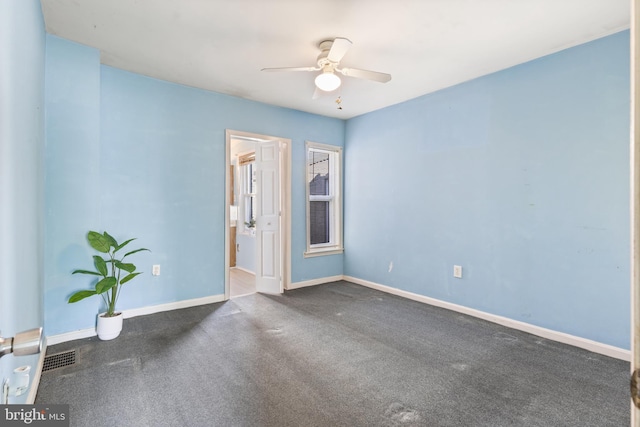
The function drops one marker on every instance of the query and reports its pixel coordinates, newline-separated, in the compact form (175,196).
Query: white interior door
(268,224)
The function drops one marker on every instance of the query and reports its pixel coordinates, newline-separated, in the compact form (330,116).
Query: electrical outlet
(156,270)
(457,271)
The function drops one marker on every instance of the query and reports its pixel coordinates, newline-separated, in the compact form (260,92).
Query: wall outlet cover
(457,271)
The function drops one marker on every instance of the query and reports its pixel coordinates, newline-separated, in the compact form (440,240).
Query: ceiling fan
(331,53)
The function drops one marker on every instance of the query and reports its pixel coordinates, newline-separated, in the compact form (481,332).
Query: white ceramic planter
(109,327)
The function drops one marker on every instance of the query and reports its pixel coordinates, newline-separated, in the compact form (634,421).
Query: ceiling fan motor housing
(331,53)
(325,47)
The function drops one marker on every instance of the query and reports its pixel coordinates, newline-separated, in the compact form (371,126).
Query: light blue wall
(163,148)
(521,177)
(72,171)
(22,50)
(155,172)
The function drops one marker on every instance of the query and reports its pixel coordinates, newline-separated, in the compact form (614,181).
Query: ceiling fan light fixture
(327,81)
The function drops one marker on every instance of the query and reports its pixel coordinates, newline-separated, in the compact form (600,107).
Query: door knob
(23,344)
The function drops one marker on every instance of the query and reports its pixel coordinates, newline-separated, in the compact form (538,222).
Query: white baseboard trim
(314,282)
(246,270)
(35,382)
(594,346)
(71,336)
(142,311)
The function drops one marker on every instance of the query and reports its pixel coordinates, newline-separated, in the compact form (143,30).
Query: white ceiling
(426,45)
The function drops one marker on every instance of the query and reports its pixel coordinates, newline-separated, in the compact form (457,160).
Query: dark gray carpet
(333,355)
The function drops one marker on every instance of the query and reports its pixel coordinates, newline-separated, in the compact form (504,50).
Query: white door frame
(285,191)
(635,196)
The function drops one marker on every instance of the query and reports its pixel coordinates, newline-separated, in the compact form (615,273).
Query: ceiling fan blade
(365,74)
(339,48)
(319,93)
(292,69)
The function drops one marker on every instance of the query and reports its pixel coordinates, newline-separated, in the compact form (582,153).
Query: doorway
(257,218)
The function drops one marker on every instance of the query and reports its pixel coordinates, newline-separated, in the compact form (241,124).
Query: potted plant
(115,273)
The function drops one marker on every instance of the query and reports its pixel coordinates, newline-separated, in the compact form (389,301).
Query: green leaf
(98,242)
(101,265)
(130,268)
(111,240)
(128,277)
(133,252)
(122,245)
(105,284)
(80,295)
(95,273)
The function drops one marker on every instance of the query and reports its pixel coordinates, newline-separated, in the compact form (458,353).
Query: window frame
(335,244)
(247,165)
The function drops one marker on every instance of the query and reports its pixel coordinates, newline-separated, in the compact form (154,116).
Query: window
(248,169)
(324,200)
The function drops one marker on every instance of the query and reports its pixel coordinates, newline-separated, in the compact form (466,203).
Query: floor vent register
(59,360)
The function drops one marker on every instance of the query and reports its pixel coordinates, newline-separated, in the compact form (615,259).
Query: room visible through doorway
(257,217)
(241,282)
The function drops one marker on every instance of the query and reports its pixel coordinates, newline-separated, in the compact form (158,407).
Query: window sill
(323,251)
